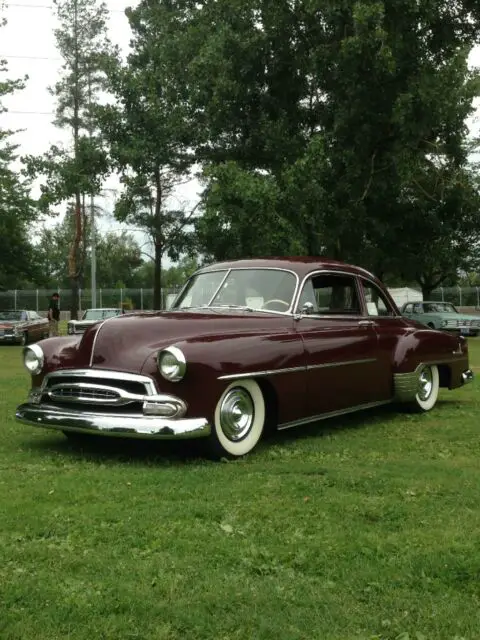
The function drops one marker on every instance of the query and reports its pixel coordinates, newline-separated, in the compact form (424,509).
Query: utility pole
(93,252)
(93,235)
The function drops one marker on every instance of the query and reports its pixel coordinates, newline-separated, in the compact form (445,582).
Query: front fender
(213,362)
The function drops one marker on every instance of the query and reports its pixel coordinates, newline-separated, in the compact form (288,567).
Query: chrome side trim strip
(275,372)
(332,414)
(329,365)
(262,374)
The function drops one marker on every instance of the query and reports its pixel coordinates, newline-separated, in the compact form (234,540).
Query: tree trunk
(75,270)
(157,278)
(427,290)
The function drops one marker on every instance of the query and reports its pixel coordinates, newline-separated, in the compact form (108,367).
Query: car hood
(126,342)
(4,324)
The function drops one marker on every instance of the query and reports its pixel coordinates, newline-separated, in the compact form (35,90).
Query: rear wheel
(239,420)
(428,384)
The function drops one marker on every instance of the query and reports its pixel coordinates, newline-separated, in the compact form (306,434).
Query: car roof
(302,265)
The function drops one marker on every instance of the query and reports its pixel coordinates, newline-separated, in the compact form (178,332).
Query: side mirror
(307,309)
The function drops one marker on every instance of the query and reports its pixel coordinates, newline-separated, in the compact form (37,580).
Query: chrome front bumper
(127,426)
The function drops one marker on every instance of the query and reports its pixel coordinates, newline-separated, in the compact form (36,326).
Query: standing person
(54,315)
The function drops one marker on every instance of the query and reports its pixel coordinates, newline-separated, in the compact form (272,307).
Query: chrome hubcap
(236,414)
(425,383)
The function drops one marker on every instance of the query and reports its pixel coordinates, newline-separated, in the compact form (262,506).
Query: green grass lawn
(359,528)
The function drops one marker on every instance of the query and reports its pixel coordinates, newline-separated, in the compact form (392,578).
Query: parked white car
(91,316)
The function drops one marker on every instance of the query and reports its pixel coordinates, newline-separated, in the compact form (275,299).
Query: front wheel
(239,420)
(24,339)
(428,384)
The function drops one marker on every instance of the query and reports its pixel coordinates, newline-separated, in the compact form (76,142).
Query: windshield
(100,314)
(256,289)
(11,316)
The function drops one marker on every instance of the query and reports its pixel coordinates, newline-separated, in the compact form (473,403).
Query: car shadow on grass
(123,450)
(167,452)
(98,448)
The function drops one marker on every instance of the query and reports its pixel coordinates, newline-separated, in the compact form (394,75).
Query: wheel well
(445,375)
(271,405)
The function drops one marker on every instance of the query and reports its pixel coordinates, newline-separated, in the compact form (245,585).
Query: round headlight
(33,359)
(172,364)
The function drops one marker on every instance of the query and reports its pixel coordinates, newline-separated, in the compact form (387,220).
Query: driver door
(344,368)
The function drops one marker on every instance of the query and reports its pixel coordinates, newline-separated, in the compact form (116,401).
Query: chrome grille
(463,323)
(84,393)
(104,390)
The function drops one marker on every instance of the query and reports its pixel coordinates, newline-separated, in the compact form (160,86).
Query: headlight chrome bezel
(176,369)
(38,354)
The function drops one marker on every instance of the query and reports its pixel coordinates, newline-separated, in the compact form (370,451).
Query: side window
(330,295)
(377,303)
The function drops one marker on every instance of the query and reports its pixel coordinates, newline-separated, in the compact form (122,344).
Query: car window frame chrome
(337,316)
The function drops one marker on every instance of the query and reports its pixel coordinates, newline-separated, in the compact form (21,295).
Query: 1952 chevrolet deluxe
(246,345)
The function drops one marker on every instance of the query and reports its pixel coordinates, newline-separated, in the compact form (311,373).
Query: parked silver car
(91,316)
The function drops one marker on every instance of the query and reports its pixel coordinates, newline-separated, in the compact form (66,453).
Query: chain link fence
(38,299)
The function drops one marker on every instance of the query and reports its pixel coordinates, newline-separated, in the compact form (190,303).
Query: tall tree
(75,172)
(149,130)
(16,207)
(118,256)
(325,116)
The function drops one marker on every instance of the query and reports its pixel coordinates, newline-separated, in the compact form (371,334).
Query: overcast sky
(28,44)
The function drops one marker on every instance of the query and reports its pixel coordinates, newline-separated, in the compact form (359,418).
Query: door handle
(366,323)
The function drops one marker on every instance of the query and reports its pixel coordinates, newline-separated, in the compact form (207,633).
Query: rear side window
(376,302)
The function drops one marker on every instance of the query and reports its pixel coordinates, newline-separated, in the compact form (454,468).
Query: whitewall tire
(428,384)
(239,419)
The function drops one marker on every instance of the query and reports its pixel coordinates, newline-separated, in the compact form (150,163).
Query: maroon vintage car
(246,344)
(22,327)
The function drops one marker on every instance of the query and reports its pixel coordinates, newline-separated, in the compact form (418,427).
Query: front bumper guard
(126,426)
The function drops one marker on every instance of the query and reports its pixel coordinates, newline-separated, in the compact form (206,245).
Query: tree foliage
(16,207)
(149,131)
(118,256)
(69,174)
(343,125)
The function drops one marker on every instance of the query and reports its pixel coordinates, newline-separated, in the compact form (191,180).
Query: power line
(11,57)
(48,6)
(28,113)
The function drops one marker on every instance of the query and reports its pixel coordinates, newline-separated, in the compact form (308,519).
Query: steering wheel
(275,300)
